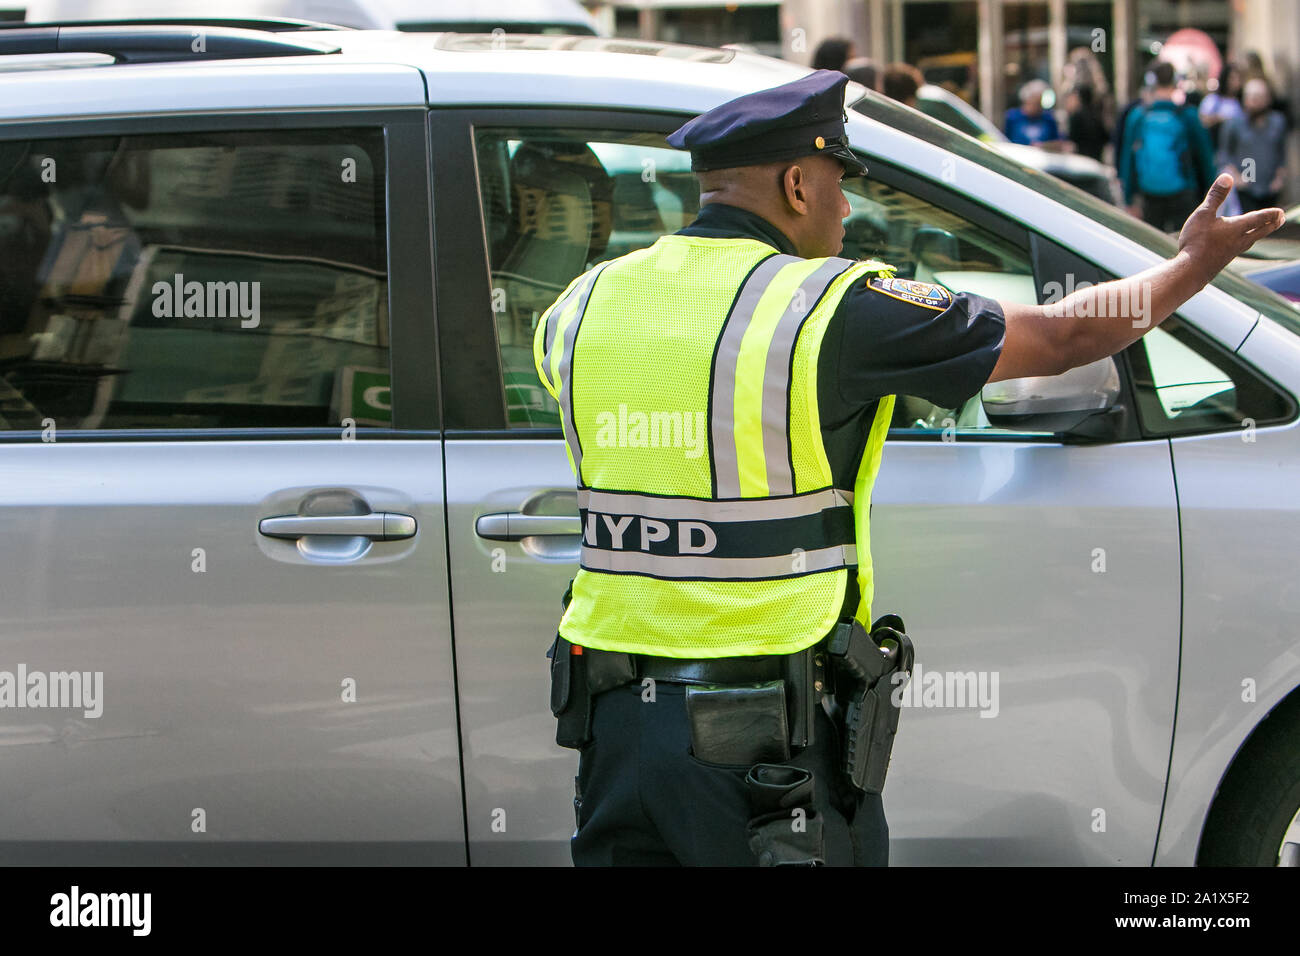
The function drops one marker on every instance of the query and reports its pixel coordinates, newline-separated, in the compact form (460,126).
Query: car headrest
(566,184)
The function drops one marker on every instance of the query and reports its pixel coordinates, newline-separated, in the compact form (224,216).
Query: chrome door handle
(378,526)
(513,526)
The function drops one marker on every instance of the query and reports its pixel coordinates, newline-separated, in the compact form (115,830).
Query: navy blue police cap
(802,118)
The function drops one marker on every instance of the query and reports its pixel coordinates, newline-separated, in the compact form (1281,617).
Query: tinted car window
(556,203)
(928,243)
(1185,384)
(194,281)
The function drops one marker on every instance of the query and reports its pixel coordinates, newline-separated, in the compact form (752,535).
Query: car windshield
(910,121)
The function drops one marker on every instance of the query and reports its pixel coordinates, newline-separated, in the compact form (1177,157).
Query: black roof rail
(268,24)
(150,43)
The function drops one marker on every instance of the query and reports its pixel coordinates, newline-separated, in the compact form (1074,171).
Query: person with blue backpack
(1167,160)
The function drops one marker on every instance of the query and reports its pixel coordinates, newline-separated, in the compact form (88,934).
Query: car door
(1040,575)
(1231,431)
(1039,579)
(221,494)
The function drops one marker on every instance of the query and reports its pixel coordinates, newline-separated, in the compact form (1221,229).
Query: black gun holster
(867,668)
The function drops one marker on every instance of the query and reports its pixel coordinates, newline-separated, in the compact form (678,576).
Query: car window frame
(411,303)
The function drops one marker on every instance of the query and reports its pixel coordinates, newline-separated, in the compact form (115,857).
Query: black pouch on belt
(803,698)
(784,830)
(738,723)
(570,700)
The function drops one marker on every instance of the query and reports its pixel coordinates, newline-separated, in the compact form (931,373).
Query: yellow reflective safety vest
(686,375)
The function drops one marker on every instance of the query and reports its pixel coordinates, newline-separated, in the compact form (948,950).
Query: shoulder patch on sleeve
(918,293)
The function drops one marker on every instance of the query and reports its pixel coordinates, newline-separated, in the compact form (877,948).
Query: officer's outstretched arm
(1095,322)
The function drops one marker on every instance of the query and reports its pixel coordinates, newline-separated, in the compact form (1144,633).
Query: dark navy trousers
(644,800)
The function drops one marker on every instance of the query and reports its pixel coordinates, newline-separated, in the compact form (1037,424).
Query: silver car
(286,516)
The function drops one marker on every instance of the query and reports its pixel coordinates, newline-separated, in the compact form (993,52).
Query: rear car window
(198,280)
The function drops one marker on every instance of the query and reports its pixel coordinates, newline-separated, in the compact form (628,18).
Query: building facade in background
(983,50)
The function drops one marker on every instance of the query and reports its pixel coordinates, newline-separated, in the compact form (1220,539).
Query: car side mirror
(1078,403)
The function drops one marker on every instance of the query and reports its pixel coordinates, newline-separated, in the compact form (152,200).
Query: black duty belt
(803,673)
(719,670)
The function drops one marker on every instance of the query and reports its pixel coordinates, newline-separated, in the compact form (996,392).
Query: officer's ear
(794,187)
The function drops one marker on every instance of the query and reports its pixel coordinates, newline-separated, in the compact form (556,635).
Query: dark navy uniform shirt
(879,344)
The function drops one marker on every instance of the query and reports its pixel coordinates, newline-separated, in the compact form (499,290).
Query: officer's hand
(1213,241)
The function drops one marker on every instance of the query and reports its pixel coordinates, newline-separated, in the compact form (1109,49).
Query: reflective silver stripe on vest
(722,424)
(566,367)
(553,322)
(702,509)
(776,375)
(683,566)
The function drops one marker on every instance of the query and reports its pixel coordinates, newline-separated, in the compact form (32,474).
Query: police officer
(725,396)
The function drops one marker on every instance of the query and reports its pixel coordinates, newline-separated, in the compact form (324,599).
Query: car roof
(491,12)
(588,71)
(382,68)
(360,14)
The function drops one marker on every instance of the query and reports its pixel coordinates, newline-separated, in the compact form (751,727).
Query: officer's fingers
(1218,192)
(1257,224)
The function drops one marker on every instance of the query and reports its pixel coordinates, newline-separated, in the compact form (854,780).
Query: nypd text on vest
(630,533)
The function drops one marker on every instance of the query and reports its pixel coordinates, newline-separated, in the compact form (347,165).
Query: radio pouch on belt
(570,699)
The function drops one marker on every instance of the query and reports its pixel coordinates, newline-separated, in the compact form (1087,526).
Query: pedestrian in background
(1167,162)
(901,82)
(1082,68)
(1086,128)
(833,53)
(1030,124)
(1254,148)
(1222,103)
(1117,132)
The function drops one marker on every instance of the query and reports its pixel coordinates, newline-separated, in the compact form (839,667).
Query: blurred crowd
(1167,145)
